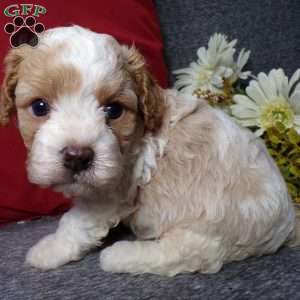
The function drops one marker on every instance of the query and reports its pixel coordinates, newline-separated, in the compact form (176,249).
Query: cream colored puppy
(196,189)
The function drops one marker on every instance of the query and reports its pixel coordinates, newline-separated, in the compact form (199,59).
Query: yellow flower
(270,101)
(279,111)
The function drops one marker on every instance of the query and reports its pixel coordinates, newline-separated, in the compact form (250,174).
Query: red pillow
(130,21)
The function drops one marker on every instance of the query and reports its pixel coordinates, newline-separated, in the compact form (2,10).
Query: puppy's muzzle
(77,159)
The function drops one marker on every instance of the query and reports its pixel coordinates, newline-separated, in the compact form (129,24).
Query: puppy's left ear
(7,92)
(152,101)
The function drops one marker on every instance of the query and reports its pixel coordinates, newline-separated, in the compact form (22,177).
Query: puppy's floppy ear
(7,93)
(152,101)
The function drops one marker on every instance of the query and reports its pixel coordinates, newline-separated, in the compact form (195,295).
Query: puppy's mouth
(82,184)
(68,178)
(74,185)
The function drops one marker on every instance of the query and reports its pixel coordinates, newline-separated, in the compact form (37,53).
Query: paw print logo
(24,31)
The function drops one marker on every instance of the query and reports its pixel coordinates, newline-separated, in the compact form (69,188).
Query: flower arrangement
(269,105)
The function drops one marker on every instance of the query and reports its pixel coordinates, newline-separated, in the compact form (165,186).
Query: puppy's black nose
(77,159)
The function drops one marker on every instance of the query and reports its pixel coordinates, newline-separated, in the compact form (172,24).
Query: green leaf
(293,136)
(282,161)
(292,190)
(294,170)
(274,139)
(273,152)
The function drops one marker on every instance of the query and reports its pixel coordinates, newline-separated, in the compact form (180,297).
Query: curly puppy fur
(196,189)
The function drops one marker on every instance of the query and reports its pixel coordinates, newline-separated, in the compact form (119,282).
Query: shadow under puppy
(196,189)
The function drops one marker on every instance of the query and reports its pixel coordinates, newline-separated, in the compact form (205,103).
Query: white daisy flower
(270,100)
(215,68)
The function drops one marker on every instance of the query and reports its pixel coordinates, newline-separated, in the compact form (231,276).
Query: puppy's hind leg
(176,252)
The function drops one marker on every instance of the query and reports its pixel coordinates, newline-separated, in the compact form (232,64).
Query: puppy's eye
(40,107)
(114,110)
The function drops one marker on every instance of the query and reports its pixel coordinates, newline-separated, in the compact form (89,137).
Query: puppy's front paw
(116,258)
(50,253)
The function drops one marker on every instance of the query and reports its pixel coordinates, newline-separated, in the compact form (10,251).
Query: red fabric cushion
(130,21)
